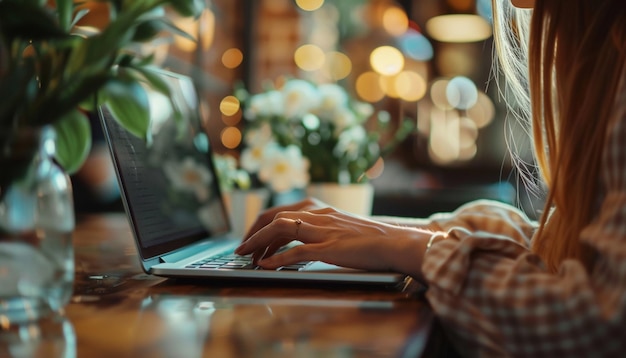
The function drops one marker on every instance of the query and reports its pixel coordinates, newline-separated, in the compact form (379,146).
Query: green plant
(303,132)
(52,72)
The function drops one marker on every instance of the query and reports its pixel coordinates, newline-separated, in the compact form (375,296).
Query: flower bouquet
(301,132)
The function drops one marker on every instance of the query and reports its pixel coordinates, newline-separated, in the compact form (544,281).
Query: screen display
(169,184)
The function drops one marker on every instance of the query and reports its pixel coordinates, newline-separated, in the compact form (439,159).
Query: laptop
(173,202)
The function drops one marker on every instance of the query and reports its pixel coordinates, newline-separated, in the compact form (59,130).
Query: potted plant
(54,69)
(301,134)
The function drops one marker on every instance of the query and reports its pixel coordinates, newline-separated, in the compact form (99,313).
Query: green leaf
(147,30)
(188,7)
(28,21)
(155,79)
(65,8)
(173,29)
(73,140)
(128,102)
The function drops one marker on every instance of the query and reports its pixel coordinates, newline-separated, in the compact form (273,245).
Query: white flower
(333,98)
(343,119)
(260,136)
(284,168)
(189,176)
(265,104)
(363,110)
(299,97)
(252,157)
(350,141)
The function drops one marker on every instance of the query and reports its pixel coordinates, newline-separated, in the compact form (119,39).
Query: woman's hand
(268,215)
(333,237)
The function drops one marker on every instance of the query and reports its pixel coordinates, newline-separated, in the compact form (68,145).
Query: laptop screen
(170,187)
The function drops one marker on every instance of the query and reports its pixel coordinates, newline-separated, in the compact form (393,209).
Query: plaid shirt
(495,298)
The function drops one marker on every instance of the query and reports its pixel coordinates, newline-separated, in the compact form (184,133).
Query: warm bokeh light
(232,58)
(309,57)
(443,146)
(309,5)
(202,28)
(337,65)
(368,87)
(232,120)
(468,153)
(387,60)
(458,28)
(395,21)
(468,133)
(406,85)
(388,85)
(410,86)
(483,112)
(438,94)
(231,137)
(229,105)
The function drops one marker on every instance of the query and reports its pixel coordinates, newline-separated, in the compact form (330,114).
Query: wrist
(409,249)
(439,235)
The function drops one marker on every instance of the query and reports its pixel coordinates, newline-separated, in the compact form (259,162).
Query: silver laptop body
(173,202)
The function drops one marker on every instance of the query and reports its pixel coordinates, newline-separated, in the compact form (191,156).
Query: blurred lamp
(458,28)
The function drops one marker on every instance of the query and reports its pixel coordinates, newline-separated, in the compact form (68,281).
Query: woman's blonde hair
(565,90)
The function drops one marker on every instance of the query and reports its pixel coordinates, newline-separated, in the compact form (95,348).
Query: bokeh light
(387,60)
(229,105)
(309,5)
(416,46)
(443,146)
(204,25)
(484,9)
(438,94)
(231,137)
(368,87)
(407,85)
(309,57)
(484,112)
(395,21)
(232,120)
(337,65)
(458,28)
(461,93)
(232,58)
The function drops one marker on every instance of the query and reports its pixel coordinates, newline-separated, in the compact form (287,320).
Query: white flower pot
(353,198)
(243,208)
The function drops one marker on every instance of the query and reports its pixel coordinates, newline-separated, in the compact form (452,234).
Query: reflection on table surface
(118,311)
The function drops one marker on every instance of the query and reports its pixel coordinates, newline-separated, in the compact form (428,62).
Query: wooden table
(118,311)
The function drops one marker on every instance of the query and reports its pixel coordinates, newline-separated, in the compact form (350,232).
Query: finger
(286,227)
(269,215)
(268,251)
(300,253)
(281,229)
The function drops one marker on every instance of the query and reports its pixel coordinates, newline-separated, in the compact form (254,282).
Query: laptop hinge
(181,254)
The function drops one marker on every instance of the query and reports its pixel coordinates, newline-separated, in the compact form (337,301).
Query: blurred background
(400,56)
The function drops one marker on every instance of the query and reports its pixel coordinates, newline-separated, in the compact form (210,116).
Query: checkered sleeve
(495,298)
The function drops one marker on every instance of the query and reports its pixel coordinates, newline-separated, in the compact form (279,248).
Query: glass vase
(36,225)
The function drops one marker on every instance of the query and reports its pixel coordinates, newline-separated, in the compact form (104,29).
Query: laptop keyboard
(233,261)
